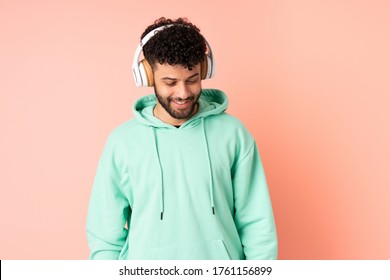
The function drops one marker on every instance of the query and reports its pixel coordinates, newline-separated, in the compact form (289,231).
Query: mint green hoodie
(193,192)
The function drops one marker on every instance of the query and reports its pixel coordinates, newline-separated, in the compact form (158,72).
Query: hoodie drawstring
(161,173)
(211,185)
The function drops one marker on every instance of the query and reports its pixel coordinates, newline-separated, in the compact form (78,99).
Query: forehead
(174,71)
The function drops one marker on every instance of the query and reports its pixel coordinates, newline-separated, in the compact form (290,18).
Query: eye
(171,84)
(192,81)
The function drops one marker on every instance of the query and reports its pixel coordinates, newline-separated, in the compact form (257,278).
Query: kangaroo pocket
(206,250)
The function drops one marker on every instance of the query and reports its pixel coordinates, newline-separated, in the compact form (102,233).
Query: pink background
(310,79)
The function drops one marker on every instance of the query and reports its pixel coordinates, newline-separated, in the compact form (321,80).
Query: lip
(182,104)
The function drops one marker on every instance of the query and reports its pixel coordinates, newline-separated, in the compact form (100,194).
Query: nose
(183,91)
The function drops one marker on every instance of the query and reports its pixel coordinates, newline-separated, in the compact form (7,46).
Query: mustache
(183,99)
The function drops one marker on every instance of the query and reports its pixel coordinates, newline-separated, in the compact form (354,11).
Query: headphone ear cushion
(148,77)
(204,67)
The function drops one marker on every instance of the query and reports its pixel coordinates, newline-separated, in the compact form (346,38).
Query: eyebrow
(174,79)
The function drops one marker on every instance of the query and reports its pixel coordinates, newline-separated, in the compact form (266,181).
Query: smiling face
(177,90)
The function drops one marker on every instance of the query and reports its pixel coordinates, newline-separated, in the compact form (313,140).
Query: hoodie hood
(211,102)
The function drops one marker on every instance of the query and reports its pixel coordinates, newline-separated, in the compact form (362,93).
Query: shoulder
(228,119)
(120,135)
(229,131)
(228,123)
(124,130)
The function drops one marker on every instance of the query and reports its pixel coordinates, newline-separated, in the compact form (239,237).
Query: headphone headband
(141,69)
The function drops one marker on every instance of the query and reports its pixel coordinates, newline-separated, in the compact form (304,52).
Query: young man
(183,179)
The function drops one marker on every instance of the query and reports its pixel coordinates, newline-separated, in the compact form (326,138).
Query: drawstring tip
(213,210)
(161,217)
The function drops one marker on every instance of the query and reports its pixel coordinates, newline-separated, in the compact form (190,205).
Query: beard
(179,114)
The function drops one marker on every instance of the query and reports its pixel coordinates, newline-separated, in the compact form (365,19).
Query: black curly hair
(179,44)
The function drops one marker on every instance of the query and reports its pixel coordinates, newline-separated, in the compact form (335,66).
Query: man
(183,179)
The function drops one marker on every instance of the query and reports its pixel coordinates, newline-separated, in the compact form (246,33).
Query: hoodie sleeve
(108,211)
(254,215)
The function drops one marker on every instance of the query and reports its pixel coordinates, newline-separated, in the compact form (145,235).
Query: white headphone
(143,73)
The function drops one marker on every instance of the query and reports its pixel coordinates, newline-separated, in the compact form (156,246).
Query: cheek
(196,88)
(164,91)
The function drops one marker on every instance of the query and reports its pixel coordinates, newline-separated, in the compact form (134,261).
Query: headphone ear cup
(146,72)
